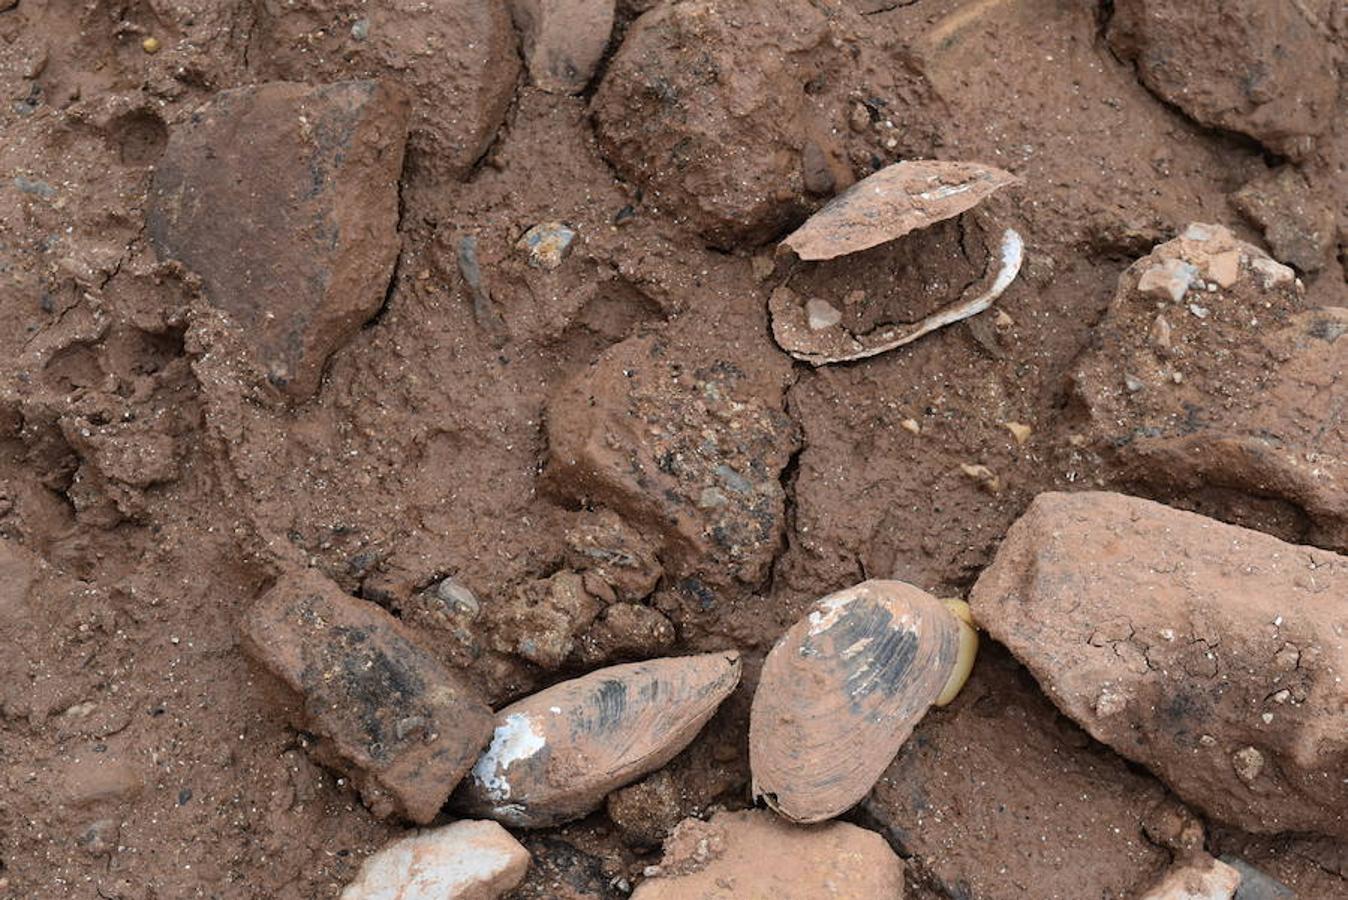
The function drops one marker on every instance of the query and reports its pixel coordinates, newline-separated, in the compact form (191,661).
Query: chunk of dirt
(563,40)
(719,110)
(1253,67)
(458,60)
(1297,221)
(681,452)
(1234,396)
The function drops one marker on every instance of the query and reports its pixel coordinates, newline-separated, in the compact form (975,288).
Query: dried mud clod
(1210,379)
(682,452)
(473,70)
(738,151)
(563,40)
(1249,66)
(841,692)
(557,754)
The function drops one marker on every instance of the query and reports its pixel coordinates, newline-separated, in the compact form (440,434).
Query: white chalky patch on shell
(1013,254)
(827,612)
(513,740)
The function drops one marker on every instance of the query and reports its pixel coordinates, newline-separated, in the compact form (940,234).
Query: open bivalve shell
(822,341)
(841,692)
(557,754)
(892,202)
(884,206)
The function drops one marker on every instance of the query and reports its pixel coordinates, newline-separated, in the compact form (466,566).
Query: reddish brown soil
(152,486)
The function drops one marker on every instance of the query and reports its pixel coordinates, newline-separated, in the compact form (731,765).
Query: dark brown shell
(892,202)
(841,692)
(557,754)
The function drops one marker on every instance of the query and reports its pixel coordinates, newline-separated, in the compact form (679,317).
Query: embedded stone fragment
(755,854)
(1263,69)
(678,451)
(283,198)
(563,40)
(385,710)
(1232,392)
(464,860)
(1297,222)
(602,544)
(1197,878)
(1213,654)
(547,245)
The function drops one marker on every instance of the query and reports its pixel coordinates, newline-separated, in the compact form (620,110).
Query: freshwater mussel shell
(890,203)
(557,754)
(841,692)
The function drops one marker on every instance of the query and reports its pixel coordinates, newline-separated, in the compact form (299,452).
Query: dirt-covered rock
(1210,380)
(301,184)
(679,451)
(755,854)
(732,115)
(563,40)
(384,709)
(1211,653)
(1197,878)
(1262,69)
(602,545)
(457,59)
(541,619)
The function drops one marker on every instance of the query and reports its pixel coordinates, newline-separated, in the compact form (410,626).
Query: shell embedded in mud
(892,202)
(557,754)
(841,692)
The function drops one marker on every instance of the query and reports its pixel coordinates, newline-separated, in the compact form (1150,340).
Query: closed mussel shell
(841,692)
(555,755)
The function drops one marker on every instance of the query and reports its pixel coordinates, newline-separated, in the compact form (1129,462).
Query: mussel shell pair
(557,754)
(843,689)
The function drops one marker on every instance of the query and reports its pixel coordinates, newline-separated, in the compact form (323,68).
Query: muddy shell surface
(892,202)
(557,754)
(841,692)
